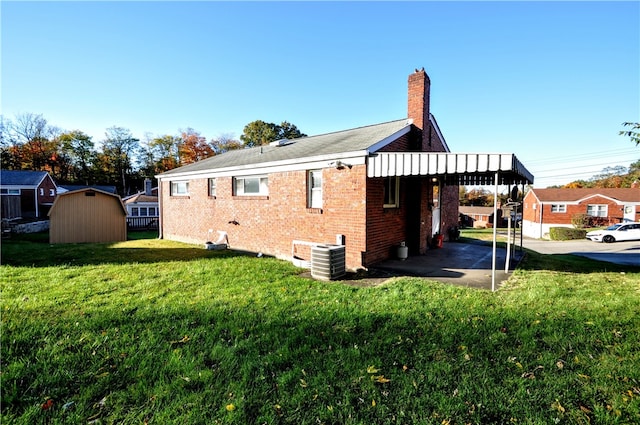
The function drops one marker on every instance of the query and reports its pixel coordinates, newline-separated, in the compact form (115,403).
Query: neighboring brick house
(26,194)
(546,208)
(479,217)
(369,188)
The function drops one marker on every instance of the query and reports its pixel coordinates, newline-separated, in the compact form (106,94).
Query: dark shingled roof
(21,177)
(357,139)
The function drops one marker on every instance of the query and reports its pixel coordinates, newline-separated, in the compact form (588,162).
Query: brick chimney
(147,187)
(418,105)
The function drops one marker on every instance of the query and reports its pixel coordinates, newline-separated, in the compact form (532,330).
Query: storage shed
(87,215)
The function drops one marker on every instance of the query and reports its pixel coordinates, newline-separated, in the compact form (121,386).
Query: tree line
(30,142)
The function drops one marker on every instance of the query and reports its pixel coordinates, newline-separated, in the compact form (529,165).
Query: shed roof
(61,196)
(21,177)
(578,194)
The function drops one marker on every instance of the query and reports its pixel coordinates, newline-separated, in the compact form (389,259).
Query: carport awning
(453,168)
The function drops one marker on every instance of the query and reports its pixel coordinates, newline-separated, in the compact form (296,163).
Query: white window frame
(180,188)
(52,192)
(599,210)
(314,189)
(41,191)
(558,208)
(135,212)
(152,212)
(10,191)
(240,186)
(212,187)
(392,201)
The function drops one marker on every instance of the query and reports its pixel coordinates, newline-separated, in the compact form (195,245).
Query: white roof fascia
(323,161)
(435,125)
(392,138)
(586,198)
(19,186)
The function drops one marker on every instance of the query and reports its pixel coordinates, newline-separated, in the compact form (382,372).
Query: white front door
(630,213)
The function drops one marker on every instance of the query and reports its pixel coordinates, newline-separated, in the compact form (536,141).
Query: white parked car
(617,232)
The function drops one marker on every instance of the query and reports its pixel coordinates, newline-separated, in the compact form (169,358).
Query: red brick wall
(531,213)
(449,208)
(386,227)
(269,224)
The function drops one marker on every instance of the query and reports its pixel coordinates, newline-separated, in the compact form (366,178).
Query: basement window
(558,208)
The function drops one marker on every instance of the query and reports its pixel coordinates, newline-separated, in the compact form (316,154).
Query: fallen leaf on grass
(557,406)
(47,404)
(372,369)
(381,379)
(184,340)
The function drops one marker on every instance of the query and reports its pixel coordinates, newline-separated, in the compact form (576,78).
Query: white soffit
(468,167)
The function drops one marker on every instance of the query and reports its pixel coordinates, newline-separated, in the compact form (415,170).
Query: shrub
(580,221)
(566,233)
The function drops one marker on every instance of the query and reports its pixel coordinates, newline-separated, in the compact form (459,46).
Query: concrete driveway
(625,253)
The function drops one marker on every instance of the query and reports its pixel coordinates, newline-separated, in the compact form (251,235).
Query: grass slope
(151,331)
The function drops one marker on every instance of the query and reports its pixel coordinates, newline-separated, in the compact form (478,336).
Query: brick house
(26,194)
(369,188)
(546,208)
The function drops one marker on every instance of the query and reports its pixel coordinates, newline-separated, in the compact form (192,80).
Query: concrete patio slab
(458,263)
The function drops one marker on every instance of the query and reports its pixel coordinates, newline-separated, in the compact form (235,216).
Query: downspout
(541,210)
(36,202)
(159,209)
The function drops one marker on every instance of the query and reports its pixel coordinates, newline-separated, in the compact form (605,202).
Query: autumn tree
(258,133)
(193,147)
(30,143)
(225,143)
(160,154)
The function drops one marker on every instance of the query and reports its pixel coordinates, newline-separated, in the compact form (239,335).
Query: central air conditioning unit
(328,262)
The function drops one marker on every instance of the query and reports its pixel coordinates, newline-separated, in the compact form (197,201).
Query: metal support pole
(495,216)
(507,261)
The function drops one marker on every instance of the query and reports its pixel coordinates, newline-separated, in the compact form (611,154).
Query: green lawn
(158,332)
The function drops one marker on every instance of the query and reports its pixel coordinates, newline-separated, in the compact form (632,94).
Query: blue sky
(549,81)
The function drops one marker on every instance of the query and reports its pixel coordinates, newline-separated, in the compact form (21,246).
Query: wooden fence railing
(142,223)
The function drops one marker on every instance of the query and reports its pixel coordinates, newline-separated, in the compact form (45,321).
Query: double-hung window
(558,208)
(212,187)
(391,192)
(314,184)
(596,210)
(251,186)
(180,188)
